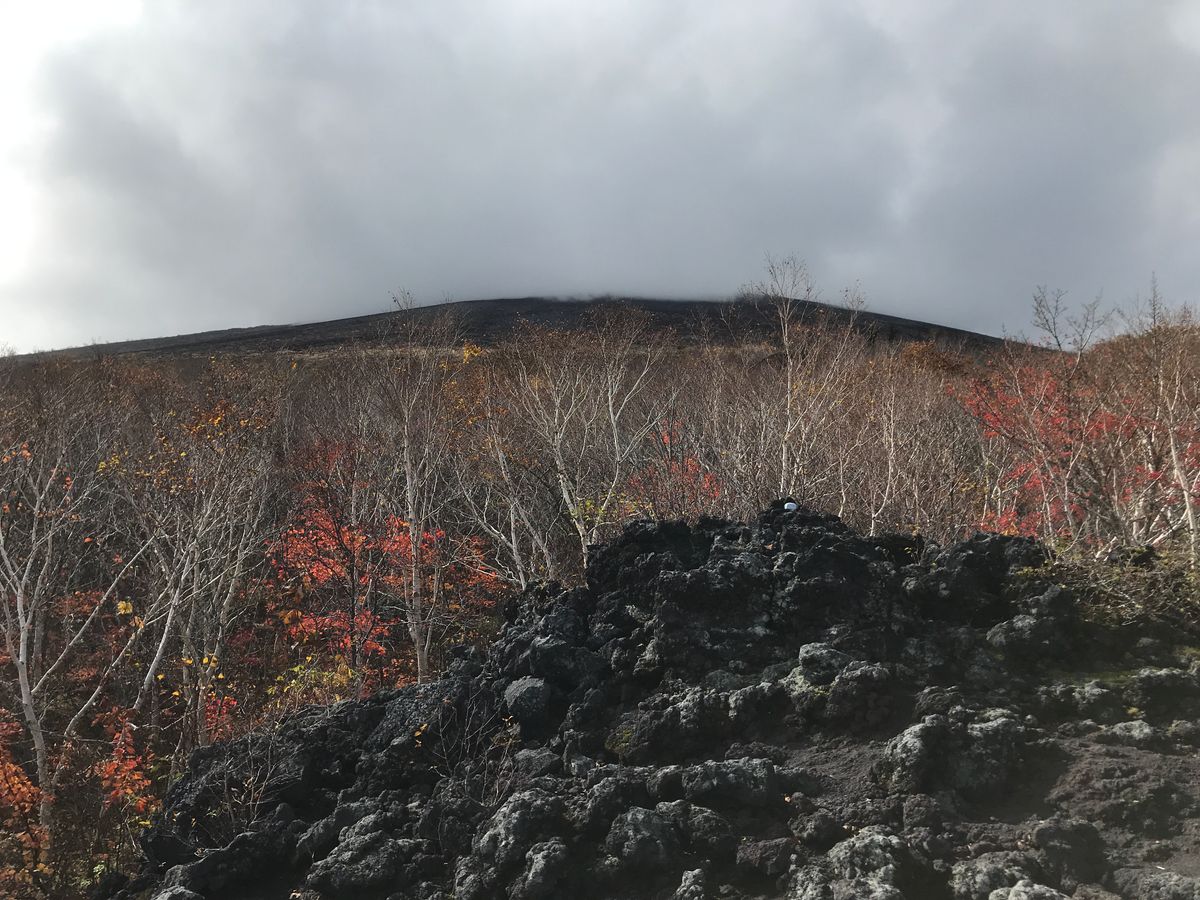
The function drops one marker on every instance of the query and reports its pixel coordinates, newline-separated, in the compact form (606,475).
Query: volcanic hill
(487,322)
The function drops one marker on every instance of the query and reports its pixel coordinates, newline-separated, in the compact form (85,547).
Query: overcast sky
(177,166)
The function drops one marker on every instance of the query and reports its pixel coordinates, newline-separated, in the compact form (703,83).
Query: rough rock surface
(778,710)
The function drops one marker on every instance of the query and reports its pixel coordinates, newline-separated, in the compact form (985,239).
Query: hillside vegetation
(192,549)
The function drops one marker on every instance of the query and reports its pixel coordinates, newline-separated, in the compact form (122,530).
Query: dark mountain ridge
(487,322)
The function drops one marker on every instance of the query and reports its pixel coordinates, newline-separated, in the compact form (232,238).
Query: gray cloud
(236,162)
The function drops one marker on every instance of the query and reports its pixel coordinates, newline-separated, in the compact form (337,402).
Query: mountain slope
(488,321)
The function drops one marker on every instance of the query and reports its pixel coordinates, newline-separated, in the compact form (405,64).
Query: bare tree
(818,357)
(504,490)
(195,491)
(418,414)
(59,579)
(1154,373)
(583,407)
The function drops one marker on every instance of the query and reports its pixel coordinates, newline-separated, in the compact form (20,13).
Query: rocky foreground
(784,709)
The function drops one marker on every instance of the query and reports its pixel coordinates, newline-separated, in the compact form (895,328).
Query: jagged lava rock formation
(783,709)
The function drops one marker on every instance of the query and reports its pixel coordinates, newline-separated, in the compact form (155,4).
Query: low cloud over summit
(208,165)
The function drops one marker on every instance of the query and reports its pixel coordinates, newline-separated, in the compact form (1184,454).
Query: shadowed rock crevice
(781,709)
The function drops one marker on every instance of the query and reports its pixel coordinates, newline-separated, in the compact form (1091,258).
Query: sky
(170,166)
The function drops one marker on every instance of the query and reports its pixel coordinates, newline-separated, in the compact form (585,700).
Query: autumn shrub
(1095,445)
(248,767)
(473,744)
(1139,585)
(23,868)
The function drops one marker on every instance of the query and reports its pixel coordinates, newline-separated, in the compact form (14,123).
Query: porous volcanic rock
(784,709)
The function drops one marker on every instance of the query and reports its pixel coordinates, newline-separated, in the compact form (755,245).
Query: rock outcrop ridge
(785,709)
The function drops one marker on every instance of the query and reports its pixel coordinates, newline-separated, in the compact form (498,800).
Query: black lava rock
(779,709)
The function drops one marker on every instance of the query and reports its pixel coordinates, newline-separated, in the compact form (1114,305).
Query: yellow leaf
(124,608)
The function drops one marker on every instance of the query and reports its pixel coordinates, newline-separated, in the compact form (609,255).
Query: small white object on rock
(791,506)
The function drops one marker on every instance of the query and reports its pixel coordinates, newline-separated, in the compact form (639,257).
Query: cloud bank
(237,162)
